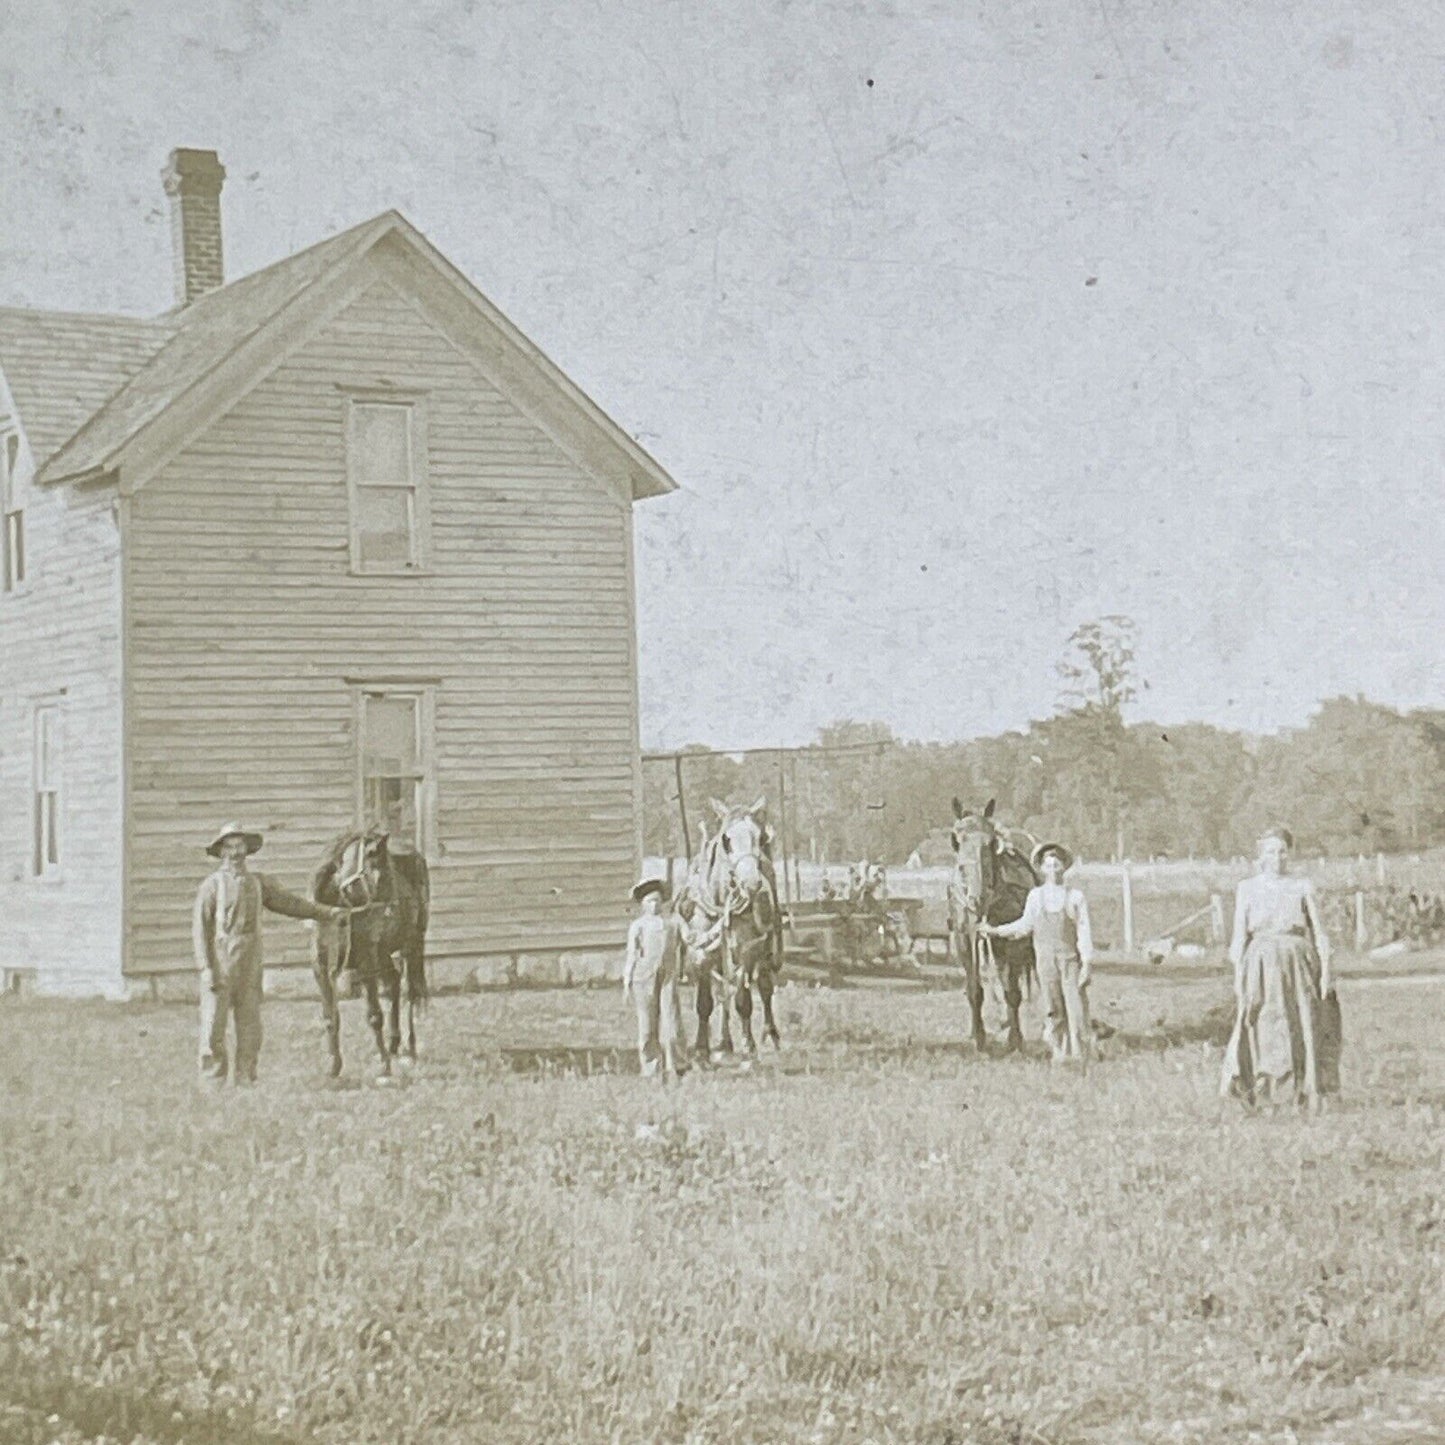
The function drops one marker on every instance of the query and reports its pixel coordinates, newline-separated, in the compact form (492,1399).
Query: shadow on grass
(847,1050)
(1213,1028)
(114,1412)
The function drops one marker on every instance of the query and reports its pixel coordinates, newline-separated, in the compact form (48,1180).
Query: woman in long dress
(1282,1045)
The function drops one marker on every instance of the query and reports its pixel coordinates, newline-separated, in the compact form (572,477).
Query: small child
(655,947)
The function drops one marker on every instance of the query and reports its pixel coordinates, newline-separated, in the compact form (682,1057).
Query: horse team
(729,903)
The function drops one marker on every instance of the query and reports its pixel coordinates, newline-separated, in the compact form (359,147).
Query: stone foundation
(582,968)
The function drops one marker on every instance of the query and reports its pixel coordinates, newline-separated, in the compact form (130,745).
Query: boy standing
(654,960)
(1057,918)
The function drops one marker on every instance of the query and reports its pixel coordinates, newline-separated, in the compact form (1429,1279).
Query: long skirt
(1286,1035)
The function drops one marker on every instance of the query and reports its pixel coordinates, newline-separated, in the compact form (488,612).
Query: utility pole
(682,808)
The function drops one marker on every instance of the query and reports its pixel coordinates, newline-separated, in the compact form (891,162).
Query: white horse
(738,937)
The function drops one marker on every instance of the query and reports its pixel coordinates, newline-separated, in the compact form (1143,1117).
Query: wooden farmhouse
(330,543)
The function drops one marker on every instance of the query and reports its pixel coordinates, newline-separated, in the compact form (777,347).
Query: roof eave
(101,475)
(654,482)
(649,478)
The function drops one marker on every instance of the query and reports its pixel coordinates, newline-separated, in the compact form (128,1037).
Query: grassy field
(873,1236)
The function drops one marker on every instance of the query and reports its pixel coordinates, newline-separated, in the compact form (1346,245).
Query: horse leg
(393,998)
(415,961)
(725,1013)
(375,1019)
(1013,969)
(974,981)
(765,992)
(743,1002)
(704,1012)
(330,1012)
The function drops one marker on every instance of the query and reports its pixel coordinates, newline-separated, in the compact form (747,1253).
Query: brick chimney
(193,182)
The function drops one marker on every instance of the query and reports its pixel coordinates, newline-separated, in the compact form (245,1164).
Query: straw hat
(1065,857)
(233,830)
(646,886)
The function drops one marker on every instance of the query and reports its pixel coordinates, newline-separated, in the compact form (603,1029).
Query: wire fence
(1162,906)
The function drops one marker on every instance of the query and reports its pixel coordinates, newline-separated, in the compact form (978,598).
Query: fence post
(1216,918)
(1361,935)
(1128,885)
(1380,869)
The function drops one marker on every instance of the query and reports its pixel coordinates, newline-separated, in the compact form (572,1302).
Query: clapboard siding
(60,641)
(244,625)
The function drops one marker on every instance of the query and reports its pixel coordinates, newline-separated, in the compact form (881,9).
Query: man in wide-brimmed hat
(655,950)
(227,936)
(1057,919)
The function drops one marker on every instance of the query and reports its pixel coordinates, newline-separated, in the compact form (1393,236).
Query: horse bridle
(975,904)
(736,900)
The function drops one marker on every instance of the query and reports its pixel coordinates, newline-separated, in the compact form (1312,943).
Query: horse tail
(412,869)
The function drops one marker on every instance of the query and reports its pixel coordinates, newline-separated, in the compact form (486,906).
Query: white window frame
(424,695)
(13,569)
(416,488)
(43,786)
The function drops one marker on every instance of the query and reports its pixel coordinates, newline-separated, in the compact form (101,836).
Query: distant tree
(1098,771)
(1098,667)
(1360,778)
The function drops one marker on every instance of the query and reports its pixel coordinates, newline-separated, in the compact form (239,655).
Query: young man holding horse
(1057,920)
(655,951)
(226,932)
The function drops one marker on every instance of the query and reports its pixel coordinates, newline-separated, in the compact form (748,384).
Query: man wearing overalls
(1057,919)
(226,933)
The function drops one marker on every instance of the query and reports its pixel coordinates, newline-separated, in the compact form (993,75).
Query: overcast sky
(958,324)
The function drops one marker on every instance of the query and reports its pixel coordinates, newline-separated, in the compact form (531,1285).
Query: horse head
(362,869)
(976,847)
(744,839)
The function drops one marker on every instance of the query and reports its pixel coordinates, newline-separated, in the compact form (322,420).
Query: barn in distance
(329,543)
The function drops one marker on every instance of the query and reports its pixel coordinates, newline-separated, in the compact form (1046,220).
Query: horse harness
(736,903)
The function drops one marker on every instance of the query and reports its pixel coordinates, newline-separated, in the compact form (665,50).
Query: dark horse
(382,942)
(991,882)
(739,932)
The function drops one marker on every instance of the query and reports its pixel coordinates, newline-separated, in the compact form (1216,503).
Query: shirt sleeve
(290,905)
(203,926)
(1083,928)
(1241,926)
(1022,926)
(1316,924)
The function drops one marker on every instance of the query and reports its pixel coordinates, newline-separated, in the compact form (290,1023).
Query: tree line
(1359,778)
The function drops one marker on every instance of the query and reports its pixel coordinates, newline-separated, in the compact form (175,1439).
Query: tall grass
(877,1236)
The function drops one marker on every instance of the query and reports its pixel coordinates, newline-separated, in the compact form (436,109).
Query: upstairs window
(386,478)
(45,861)
(12,544)
(396,773)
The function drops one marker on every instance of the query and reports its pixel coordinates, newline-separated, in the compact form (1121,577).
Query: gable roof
(62,367)
(187,363)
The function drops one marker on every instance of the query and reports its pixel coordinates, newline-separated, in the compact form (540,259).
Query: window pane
(47,749)
(383,527)
(14,548)
(52,828)
(388,747)
(394,803)
(381,436)
(47,833)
